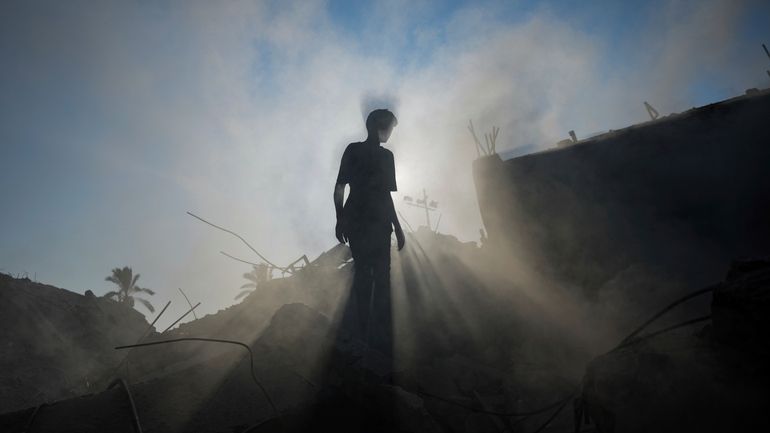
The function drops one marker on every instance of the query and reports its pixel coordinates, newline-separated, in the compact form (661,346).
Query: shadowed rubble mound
(317,369)
(56,343)
(449,374)
(705,378)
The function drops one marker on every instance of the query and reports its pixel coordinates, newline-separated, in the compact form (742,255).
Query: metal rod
(134,414)
(667,309)
(144,335)
(188,302)
(238,260)
(183,316)
(216,340)
(153,323)
(32,417)
(664,330)
(149,328)
(239,237)
(475,139)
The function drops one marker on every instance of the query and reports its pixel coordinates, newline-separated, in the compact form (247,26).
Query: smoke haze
(117,117)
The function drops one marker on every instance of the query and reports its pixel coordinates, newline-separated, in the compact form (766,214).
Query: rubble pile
(465,357)
(56,343)
(320,373)
(706,378)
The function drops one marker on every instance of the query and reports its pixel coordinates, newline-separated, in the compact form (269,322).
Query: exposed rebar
(237,259)
(149,328)
(144,335)
(183,316)
(664,330)
(241,239)
(32,417)
(666,310)
(215,340)
(134,414)
(188,302)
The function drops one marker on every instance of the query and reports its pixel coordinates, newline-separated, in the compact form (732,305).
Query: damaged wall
(677,198)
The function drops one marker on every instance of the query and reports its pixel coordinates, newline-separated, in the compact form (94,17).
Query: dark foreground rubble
(704,378)
(307,368)
(349,389)
(56,343)
(320,374)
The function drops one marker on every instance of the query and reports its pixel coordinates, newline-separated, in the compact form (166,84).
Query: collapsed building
(535,330)
(681,196)
(639,217)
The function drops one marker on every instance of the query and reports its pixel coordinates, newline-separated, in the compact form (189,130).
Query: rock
(740,308)
(295,325)
(676,383)
(408,409)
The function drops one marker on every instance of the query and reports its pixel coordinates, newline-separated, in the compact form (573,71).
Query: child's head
(380,123)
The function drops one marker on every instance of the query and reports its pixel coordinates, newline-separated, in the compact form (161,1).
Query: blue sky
(117,117)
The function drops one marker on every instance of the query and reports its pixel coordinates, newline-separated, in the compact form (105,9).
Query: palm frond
(250,276)
(249,285)
(242,294)
(138,289)
(125,276)
(147,304)
(111,294)
(121,277)
(133,281)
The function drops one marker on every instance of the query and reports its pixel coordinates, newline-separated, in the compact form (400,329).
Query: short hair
(380,119)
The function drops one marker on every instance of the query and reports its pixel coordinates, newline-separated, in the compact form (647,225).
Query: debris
(490,141)
(188,303)
(56,341)
(573,136)
(695,378)
(181,317)
(651,111)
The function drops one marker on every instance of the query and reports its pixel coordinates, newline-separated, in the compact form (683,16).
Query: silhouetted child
(368,217)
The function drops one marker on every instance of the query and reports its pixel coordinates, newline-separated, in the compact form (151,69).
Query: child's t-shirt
(371,173)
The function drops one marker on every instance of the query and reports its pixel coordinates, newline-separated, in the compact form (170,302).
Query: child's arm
(343,178)
(400,239)
(392,211)
(339,196)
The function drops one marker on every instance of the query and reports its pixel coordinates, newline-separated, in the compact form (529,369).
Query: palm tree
(126,282)
(258,275)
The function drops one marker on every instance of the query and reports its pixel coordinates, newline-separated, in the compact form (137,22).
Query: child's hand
(339,233)
(400,239)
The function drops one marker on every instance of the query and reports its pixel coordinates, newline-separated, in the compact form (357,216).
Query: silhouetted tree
(258,275)
(127,288)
